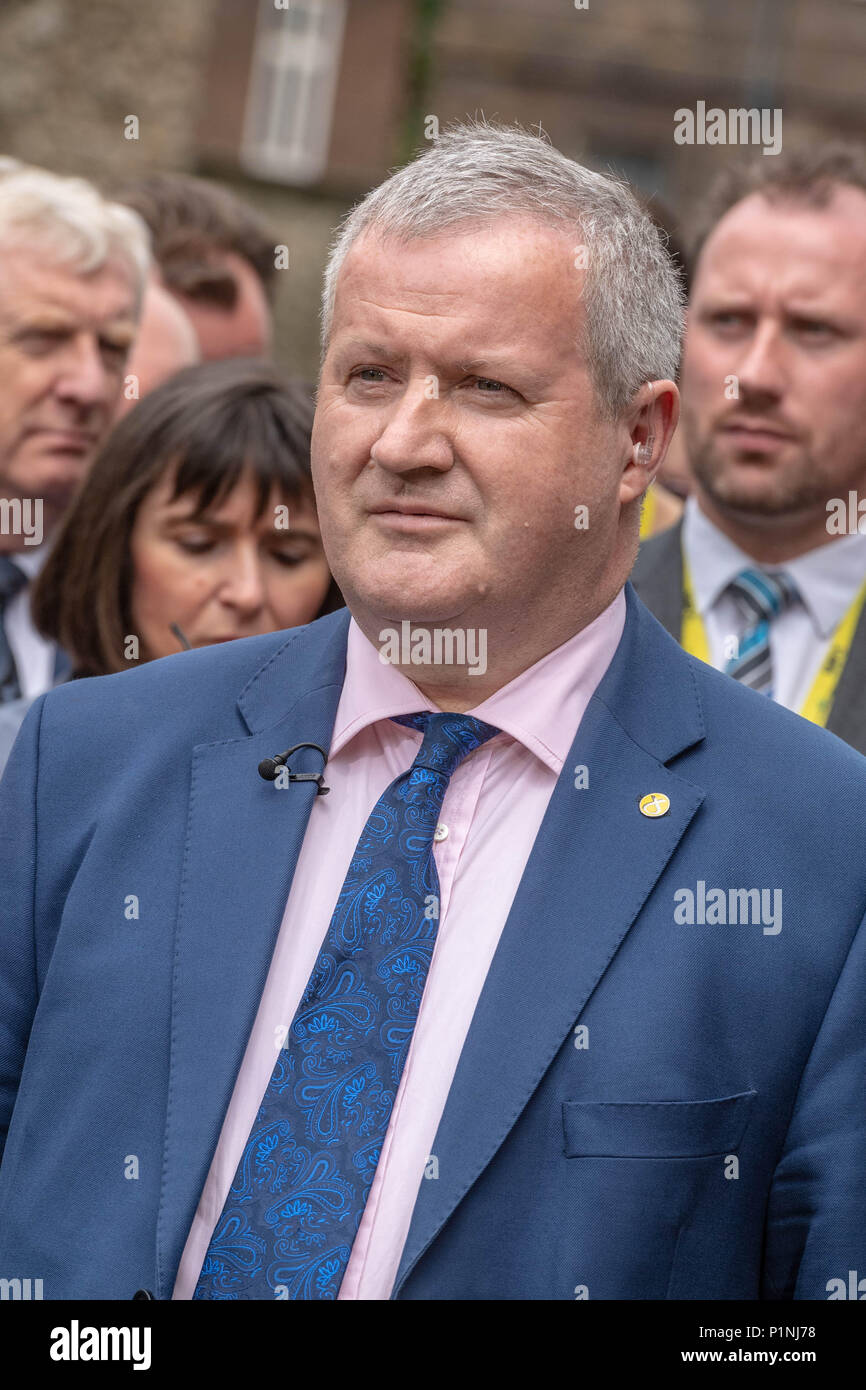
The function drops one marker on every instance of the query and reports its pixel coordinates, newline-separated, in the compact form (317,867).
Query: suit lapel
(658,578)
(594,862)
(243,840)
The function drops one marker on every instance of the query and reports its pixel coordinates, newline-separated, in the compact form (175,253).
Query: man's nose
(762,369)
(414,433)
(85,378)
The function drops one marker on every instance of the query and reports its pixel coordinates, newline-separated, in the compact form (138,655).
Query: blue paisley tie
(300,1189)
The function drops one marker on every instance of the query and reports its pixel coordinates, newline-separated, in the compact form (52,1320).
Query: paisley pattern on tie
(761,597)
(299,1193)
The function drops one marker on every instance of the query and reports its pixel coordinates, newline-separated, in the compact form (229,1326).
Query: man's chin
(420,615)
(389,606)
(765,504)
(757,490)
(56,477)
(420,592)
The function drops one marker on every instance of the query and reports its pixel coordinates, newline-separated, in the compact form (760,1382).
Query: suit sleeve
(816,1224)
(18,987)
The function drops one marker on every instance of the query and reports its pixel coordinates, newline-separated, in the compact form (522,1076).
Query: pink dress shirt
(492,810)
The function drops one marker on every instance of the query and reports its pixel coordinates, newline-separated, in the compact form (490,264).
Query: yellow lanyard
(648,513)
(693,637)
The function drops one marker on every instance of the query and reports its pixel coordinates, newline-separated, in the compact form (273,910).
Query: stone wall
(72,70)
(605,81)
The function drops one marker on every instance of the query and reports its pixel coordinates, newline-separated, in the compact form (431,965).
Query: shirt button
(441,832)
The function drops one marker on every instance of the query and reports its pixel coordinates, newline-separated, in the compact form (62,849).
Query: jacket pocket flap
(655,1128)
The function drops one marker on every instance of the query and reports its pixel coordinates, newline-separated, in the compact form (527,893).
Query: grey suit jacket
(658,579)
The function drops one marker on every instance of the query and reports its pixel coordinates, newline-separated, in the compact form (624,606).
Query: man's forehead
(812,245)
(31,281)
(499,274)
(498,245)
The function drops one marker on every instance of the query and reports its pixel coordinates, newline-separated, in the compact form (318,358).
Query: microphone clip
(270,768)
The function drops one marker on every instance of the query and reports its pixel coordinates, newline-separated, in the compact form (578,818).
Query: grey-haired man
(72,271)
(545,998)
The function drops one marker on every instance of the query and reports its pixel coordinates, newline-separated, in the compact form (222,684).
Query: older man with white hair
(547,998)
(72,273)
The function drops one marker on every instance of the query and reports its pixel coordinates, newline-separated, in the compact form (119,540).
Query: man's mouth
(66,441)
(413,516)
(756,434)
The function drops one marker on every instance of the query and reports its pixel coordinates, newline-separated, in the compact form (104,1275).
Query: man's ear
(651,422)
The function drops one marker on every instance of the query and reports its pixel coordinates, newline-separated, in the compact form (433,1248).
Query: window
(287,122)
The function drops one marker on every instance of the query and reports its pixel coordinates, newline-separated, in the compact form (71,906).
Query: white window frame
(315,53)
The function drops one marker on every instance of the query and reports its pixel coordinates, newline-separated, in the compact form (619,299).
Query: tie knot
(761,595)
(448,738)
(12,580)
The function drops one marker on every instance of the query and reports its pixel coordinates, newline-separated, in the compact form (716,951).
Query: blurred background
(302,106)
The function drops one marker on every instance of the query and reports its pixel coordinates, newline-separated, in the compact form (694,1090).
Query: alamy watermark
(77,1343)
(852,1288)
(21,1290)
(22,517)
(737,126)
(846,518)
(713,907)
(438,646)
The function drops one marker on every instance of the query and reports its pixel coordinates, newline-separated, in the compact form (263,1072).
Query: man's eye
(811,328)
(40,340)
(489,387)
(728,319)
(372,375)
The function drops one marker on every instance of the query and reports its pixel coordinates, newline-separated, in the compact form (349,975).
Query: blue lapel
(593,864)
(243,840)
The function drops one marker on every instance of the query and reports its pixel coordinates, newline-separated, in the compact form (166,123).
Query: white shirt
(828,579)
(34,656)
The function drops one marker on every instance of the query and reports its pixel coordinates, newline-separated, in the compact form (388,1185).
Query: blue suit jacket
(703,1134)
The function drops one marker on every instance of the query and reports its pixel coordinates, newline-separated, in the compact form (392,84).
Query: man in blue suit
(558,992)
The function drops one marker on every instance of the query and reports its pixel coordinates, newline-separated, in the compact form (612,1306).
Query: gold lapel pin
(654,804)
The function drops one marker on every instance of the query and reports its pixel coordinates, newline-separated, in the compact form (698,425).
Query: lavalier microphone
(270,768)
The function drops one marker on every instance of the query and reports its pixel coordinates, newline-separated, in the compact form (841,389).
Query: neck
(449,663)
(770,540)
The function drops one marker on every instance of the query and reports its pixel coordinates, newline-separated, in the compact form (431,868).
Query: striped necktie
(760,597)
(298,1196)
(12,581)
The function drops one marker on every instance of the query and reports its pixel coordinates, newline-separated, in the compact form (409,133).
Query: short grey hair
(479,171)
(70,221)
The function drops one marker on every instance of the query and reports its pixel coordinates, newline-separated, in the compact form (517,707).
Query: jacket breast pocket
(655,1128)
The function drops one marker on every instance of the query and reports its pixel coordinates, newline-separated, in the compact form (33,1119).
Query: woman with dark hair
(197,524)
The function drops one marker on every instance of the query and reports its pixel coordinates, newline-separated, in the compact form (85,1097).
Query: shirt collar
(828,577)
(541,708)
